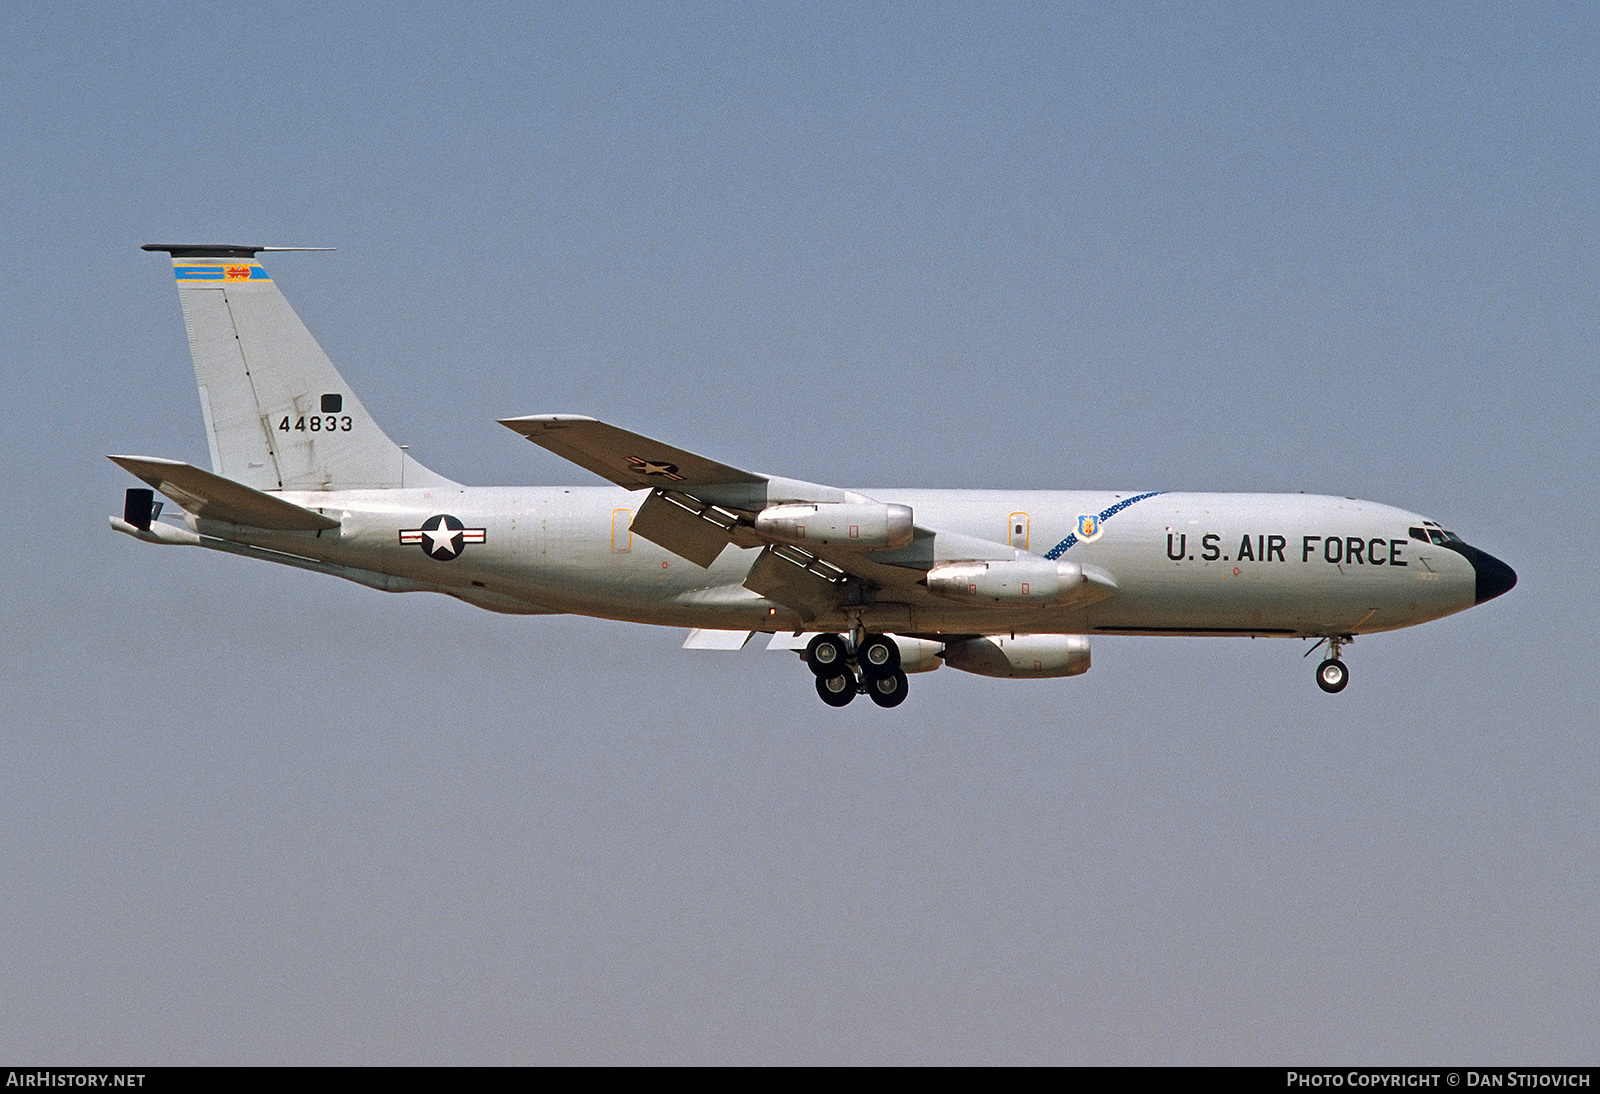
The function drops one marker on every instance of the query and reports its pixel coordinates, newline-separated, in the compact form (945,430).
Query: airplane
(867,586)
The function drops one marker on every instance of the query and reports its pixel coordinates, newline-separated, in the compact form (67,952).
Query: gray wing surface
(698,506)
(627,459)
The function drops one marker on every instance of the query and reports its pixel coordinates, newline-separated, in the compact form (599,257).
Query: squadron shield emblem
(1088,527)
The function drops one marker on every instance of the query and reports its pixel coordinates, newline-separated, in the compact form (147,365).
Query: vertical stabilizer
(278,414)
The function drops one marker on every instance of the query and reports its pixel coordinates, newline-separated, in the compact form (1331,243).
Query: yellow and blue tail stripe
(228,271)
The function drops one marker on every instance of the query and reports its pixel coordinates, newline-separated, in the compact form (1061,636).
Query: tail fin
(278,414)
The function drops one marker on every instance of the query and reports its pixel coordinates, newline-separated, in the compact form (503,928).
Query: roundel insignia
(443,537)
(655,468)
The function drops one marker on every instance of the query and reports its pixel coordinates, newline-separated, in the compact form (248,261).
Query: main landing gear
(1332,675)
(872,668)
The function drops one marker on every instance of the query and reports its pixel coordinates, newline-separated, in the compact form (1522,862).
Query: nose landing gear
(871,667)
(1332,675)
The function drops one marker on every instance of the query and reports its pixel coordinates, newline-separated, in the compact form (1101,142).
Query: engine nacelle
(1021,655)
(1008,581)
(918,654)
(860,526)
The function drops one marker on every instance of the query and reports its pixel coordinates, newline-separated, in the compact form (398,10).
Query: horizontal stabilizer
(627,459)
(213,497)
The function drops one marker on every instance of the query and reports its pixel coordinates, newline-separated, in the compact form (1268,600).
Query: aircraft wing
(625,458)
(697,507)
(216,498)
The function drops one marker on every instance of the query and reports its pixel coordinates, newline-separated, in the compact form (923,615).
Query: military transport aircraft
(866,585)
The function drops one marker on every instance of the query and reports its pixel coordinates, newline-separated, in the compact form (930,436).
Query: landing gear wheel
(826,655)
(837,690)
(1332,676)
(879,655)
(888,691)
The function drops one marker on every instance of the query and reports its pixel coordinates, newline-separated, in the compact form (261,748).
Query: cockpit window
(1432,533)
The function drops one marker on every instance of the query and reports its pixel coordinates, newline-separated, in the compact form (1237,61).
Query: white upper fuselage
(1268,564)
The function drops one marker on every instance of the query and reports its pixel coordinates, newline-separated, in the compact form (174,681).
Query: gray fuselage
(1247,564)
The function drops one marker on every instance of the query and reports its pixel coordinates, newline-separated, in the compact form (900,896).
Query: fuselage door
(1017,531)
(621,529)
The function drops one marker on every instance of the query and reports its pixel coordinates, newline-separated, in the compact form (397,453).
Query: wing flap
(796,579)
(216,498)
(686,527)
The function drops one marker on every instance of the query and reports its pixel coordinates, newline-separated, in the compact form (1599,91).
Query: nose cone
(1494,576)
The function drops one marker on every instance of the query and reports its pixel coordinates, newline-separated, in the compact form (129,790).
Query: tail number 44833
(316,423)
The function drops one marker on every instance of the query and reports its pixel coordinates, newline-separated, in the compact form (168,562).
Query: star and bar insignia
(443,537)
(651,467)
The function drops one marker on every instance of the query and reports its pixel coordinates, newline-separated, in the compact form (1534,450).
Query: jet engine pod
(862,526)
(1021,655)
(918,654)
(1006,581)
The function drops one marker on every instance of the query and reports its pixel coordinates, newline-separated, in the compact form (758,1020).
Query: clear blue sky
(254,815)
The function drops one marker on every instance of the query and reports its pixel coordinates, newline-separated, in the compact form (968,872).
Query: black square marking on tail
(332,404)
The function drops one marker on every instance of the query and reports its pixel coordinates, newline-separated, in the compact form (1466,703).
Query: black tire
(888,691)
(826,654)
(879,655)
(837,690)
(1332,676)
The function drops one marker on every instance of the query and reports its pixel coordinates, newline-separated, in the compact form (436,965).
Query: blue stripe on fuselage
(1105,514)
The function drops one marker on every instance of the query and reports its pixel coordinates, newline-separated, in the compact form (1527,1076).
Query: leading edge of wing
(628,459)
